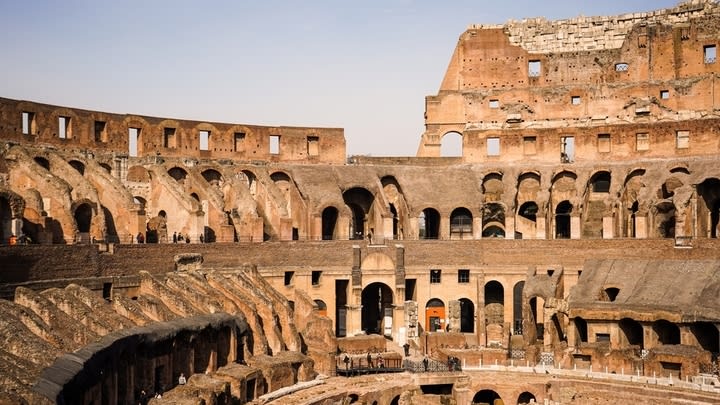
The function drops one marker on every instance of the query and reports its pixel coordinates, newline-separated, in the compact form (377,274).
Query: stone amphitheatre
(569,255)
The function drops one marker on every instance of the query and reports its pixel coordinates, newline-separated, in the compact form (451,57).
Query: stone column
(540,228)
(608,230)
(354,307)
(477,228)
(575,231)
(641,227)
(444,231)
(509,228)
(480,328)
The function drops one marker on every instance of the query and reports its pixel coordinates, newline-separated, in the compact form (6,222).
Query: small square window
(709,53)
(664,94)
(463,276)
(28,123)
(602,337)
(239,142)
(289,277)
(313,145)
(494,104)
(100,131)
(621,67)
(682,139)
(435,276)
(534,68)
(642,141)
(169,138)
(493,146)
(316,277)
(204,140)
(529,145)
(575,100)
(603,143)
(274,144)
(64,129)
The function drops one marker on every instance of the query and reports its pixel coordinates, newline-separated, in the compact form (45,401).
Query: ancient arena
(569,255)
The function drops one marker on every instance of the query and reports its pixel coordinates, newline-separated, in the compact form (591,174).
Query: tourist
(187,239)
(202,238)
(140,238)
(181,379)
(369,359)
(346,360)
(175,237)
(406,347)
(380,361)
(425,363)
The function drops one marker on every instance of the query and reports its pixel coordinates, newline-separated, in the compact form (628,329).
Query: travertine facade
(578,230)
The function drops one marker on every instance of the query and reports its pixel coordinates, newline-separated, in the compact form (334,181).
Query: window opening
(169,138)
(575,100)
(100,131)
(621,67)
(494,104)
(603,143)
(316,277)
(239,142)
(435,276)
(534,68)
(602,337)
(493,146)
(664,94)
(28,123)
(289,277)
(709,53)
(133,139)
(204,140)
(463,276)
(567,149)
(274,144)
(529,145)
(642,141)
(313,145)
(682,139)
(64,127)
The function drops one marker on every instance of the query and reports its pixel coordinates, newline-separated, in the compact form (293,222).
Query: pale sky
(365,66)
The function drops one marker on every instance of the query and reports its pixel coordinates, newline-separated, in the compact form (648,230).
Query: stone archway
(377,308)
(435,315)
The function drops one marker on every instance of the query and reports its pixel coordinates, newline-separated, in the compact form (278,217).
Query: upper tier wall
(66,128)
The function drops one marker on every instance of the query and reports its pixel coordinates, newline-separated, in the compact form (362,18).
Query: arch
(429,224)
(322,307)
(517,307)
(395,400)
(329,223)
(435,315)
(195,196)
(667,332)
(494,302)
(487,397)
(581,329)
(106,167)
(142,203)
(708,216)
(609,294)
(138,173)
(78,165)
(42,162)
(665,219)
(529,211)
(600,182)
(526,398)
(178,173)
(707,336)
(249,179)
(493,220)
(467,316)
(213,177)
(451,144)
(461,224)
(492,187)
(632,332)
(562,220)
(280,176)
(359,200)
(632,220)
(536,306)
(83,217)
(377,306)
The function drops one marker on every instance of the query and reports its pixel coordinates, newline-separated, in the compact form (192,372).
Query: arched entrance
(467,316)
(632,332)
(429,224)
(451,144)
(526,398)
(322,307)
(329,221)
(562,220)
(494,303)
(359,201)
(83,217)
(461,224)
(377,307)
(517,307)
(487,397)
(5,220)
(434,315)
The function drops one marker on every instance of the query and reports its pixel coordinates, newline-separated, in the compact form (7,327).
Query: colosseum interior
(570,255)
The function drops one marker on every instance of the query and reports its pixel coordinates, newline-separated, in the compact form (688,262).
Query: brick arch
(15,201)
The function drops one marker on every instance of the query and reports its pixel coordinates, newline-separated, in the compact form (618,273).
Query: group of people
(21,240)
(178,237)
(144,396)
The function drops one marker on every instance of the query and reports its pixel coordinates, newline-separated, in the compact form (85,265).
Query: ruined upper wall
(538,35)
(31,123)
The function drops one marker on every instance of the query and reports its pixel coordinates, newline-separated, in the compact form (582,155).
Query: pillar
(540,228)
(575,227)
(608,230)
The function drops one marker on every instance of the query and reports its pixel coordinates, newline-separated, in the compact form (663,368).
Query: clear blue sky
(365,66)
